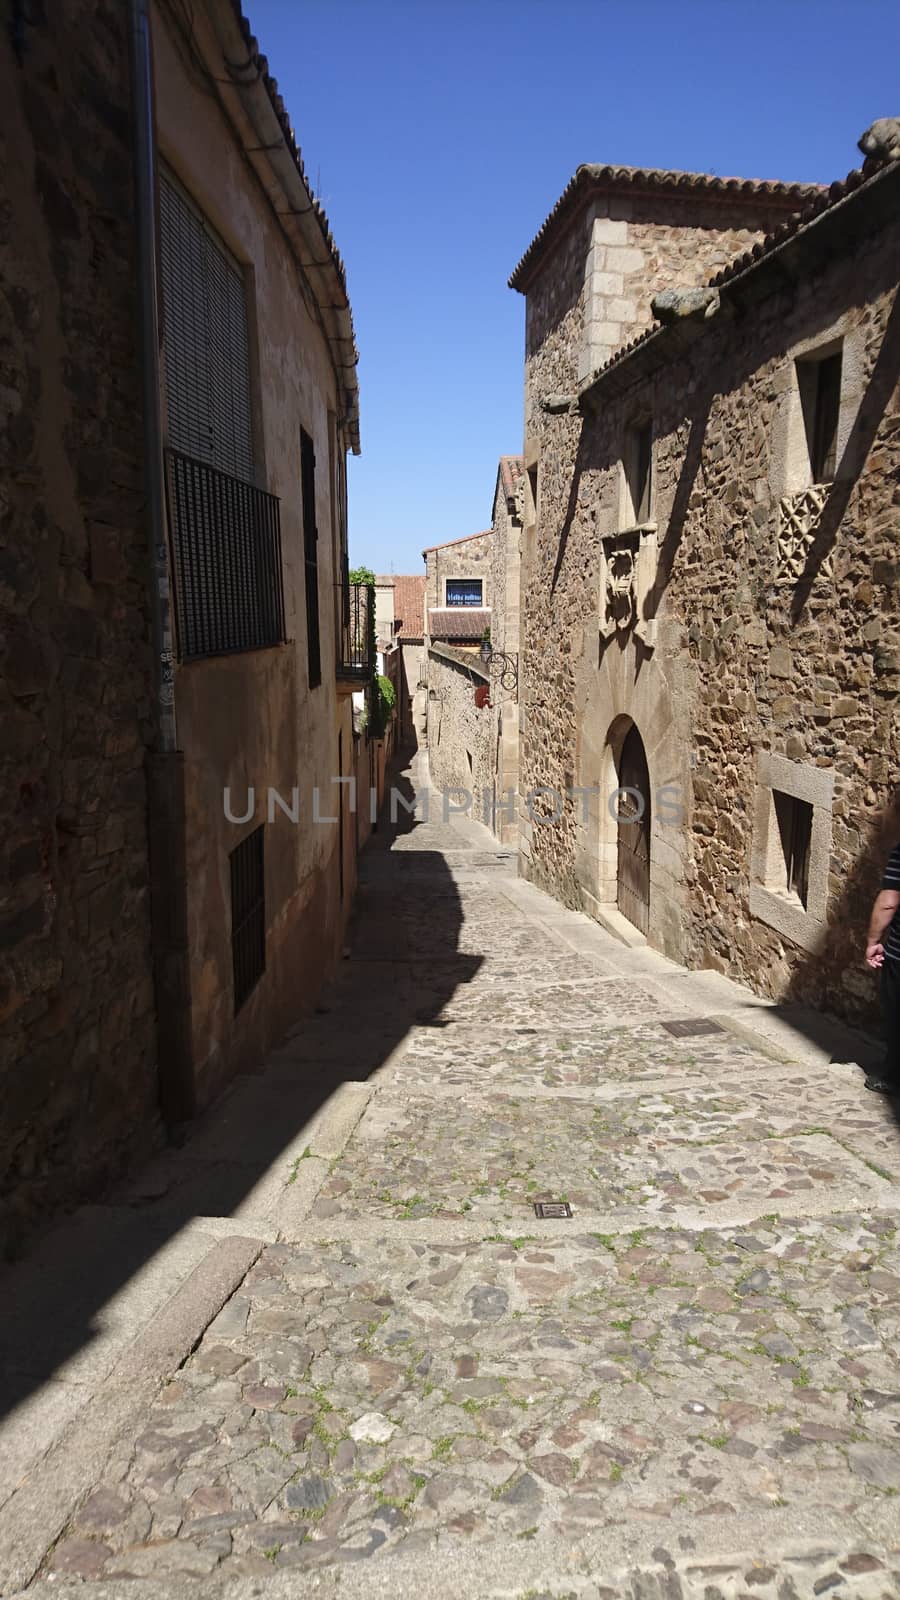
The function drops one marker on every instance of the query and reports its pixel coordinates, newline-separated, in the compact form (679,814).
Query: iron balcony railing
(354,657)
(226,545)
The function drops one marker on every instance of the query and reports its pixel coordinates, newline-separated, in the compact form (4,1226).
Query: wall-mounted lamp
(500,665)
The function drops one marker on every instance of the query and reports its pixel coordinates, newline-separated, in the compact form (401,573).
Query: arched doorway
(633,833)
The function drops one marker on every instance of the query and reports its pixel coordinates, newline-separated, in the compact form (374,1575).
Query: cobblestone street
(687,1388)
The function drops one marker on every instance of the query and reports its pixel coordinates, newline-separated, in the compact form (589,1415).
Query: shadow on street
(63,1293)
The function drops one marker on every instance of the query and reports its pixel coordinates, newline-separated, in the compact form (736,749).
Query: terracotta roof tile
(458,622)
(255,60)
(465,537)
(511,470)
(409,606)
(590,178)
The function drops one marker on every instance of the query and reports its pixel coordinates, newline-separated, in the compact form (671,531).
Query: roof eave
(591,179)
(274,149)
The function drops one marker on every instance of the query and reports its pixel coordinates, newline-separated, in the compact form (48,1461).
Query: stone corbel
(628,562)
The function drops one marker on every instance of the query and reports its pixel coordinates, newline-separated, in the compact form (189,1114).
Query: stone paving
(711,1342)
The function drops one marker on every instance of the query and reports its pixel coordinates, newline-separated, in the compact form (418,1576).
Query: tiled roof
(826,200)
(339,300)
(463,540)
(458,622)
(590,178)
(409,607)
(511,470)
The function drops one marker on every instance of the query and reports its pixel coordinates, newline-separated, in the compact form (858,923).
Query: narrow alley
(369,1362)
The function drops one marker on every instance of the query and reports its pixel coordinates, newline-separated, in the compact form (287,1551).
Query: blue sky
(439,136)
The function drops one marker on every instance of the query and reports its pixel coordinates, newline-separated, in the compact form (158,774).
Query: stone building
(512,499)
(177,619)
(710,583)
(401,601)
(457,617)
(473,589)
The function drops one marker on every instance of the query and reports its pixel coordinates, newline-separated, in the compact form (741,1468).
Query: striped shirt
(891,937)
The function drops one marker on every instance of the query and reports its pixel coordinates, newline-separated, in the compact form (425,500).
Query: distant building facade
(401,603)
(472,586)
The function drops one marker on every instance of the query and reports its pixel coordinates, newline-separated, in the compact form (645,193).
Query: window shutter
(207,345)
(311,556)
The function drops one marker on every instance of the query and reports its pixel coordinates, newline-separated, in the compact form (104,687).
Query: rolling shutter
(206,339)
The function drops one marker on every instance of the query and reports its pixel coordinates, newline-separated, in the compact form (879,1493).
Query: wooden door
(633,872)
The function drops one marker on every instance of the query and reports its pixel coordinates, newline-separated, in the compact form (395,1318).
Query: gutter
(148,293)
(166,820)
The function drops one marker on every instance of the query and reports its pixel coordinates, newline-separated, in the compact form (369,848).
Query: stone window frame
(801,780)
(790,471)
(457,605)
(799,502)
(629,513)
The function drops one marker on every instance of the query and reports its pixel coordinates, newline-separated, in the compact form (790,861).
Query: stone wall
(752,683)
(461,736)
(505,574)
(78,1086)
(413,700)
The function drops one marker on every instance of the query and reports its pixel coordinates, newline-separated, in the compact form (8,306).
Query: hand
(875,955)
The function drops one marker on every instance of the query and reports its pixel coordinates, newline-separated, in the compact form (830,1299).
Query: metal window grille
(248,915)
(226,545)
(464,591)
(226,534)
(355,644)
(310,557)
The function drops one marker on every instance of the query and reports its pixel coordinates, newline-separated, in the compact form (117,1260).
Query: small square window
(789,861)
(464,591)
(819,382)
(790,853)
(248,915)
(639,472)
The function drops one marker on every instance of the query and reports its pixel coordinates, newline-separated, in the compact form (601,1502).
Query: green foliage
(380,694)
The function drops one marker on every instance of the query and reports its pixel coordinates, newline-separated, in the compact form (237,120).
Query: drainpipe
(145,201)
(165,762)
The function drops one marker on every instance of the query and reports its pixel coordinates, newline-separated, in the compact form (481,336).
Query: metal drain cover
(690,1026)
(552,1208)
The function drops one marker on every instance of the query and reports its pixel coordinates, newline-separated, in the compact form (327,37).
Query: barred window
(226,533)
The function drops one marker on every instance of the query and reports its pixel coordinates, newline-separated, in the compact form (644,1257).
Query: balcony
(226,549)
(354,662)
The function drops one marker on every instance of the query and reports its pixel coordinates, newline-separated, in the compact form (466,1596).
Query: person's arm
(883,912)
